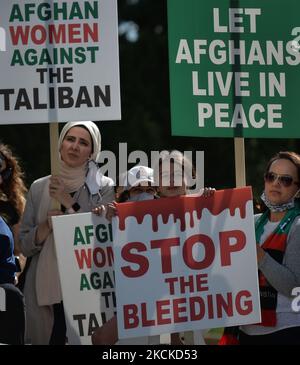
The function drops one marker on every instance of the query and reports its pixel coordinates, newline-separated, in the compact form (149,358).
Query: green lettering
(75,12)
(101,233)
(80,55)
(107,281)
(45,57)
(66,55)
(16,14)
(31,57)
(44,11)
(57,10)
(89,232)
(84,283)
(91,9)
(78,237)
(29,9)
(17,58)
(95,281)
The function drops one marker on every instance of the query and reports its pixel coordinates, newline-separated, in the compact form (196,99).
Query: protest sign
(59,61)
(234,68)
(85,260)
(186,263)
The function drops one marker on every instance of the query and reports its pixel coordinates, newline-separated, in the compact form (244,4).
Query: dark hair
(14,187)
(293,157)
(123,196)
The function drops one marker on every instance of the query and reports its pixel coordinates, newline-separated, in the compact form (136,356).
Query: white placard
(59,61)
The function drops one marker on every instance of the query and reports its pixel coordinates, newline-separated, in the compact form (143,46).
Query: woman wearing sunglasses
(278,255)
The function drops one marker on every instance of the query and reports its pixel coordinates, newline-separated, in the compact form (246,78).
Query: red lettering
(171,282)
(74,30)
(189,284)
(19,33)
(210,306)
(161,311)
(226,305)
(99,257)
(226,248)
(140,260)
(90,33)
(201,280)
(165,246)
(247,304)
(84,257)
(201,308)
(177,310)
(131,320)
(145,321)
(54,33)
(35,33)
(110,255)
(57,33)
(188,252)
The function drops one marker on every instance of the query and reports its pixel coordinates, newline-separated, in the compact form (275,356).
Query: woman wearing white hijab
(79,188)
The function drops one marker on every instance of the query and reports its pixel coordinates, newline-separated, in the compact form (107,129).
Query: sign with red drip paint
(186,263)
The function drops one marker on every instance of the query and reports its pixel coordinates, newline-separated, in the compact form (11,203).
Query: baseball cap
(137,175)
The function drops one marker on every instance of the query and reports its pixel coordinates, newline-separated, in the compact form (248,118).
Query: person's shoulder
(296,222)
(3,225)
(295,228)
(5,232)
(38,185)
(40,182)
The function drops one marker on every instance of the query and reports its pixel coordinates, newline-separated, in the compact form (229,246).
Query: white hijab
(94,132)
(48,289)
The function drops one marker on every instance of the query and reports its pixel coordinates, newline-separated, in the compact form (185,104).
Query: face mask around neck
(278,207)
(141,197)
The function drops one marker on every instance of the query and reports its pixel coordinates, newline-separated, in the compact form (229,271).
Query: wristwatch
(74,208)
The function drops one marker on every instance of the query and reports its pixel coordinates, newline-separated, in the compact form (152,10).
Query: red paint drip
(222,199)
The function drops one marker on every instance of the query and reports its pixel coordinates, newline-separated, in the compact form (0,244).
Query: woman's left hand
(57,191)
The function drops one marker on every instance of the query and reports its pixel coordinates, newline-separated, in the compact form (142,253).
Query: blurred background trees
(145,124)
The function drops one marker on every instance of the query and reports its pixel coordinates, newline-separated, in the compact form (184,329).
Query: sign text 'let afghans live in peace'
(234,68)
(59,61)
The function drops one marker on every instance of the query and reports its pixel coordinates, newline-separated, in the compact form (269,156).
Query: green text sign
(235,68)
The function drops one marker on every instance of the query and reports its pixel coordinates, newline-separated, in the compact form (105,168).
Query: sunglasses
(284,180)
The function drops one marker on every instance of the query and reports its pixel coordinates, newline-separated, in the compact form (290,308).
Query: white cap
(137,175)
